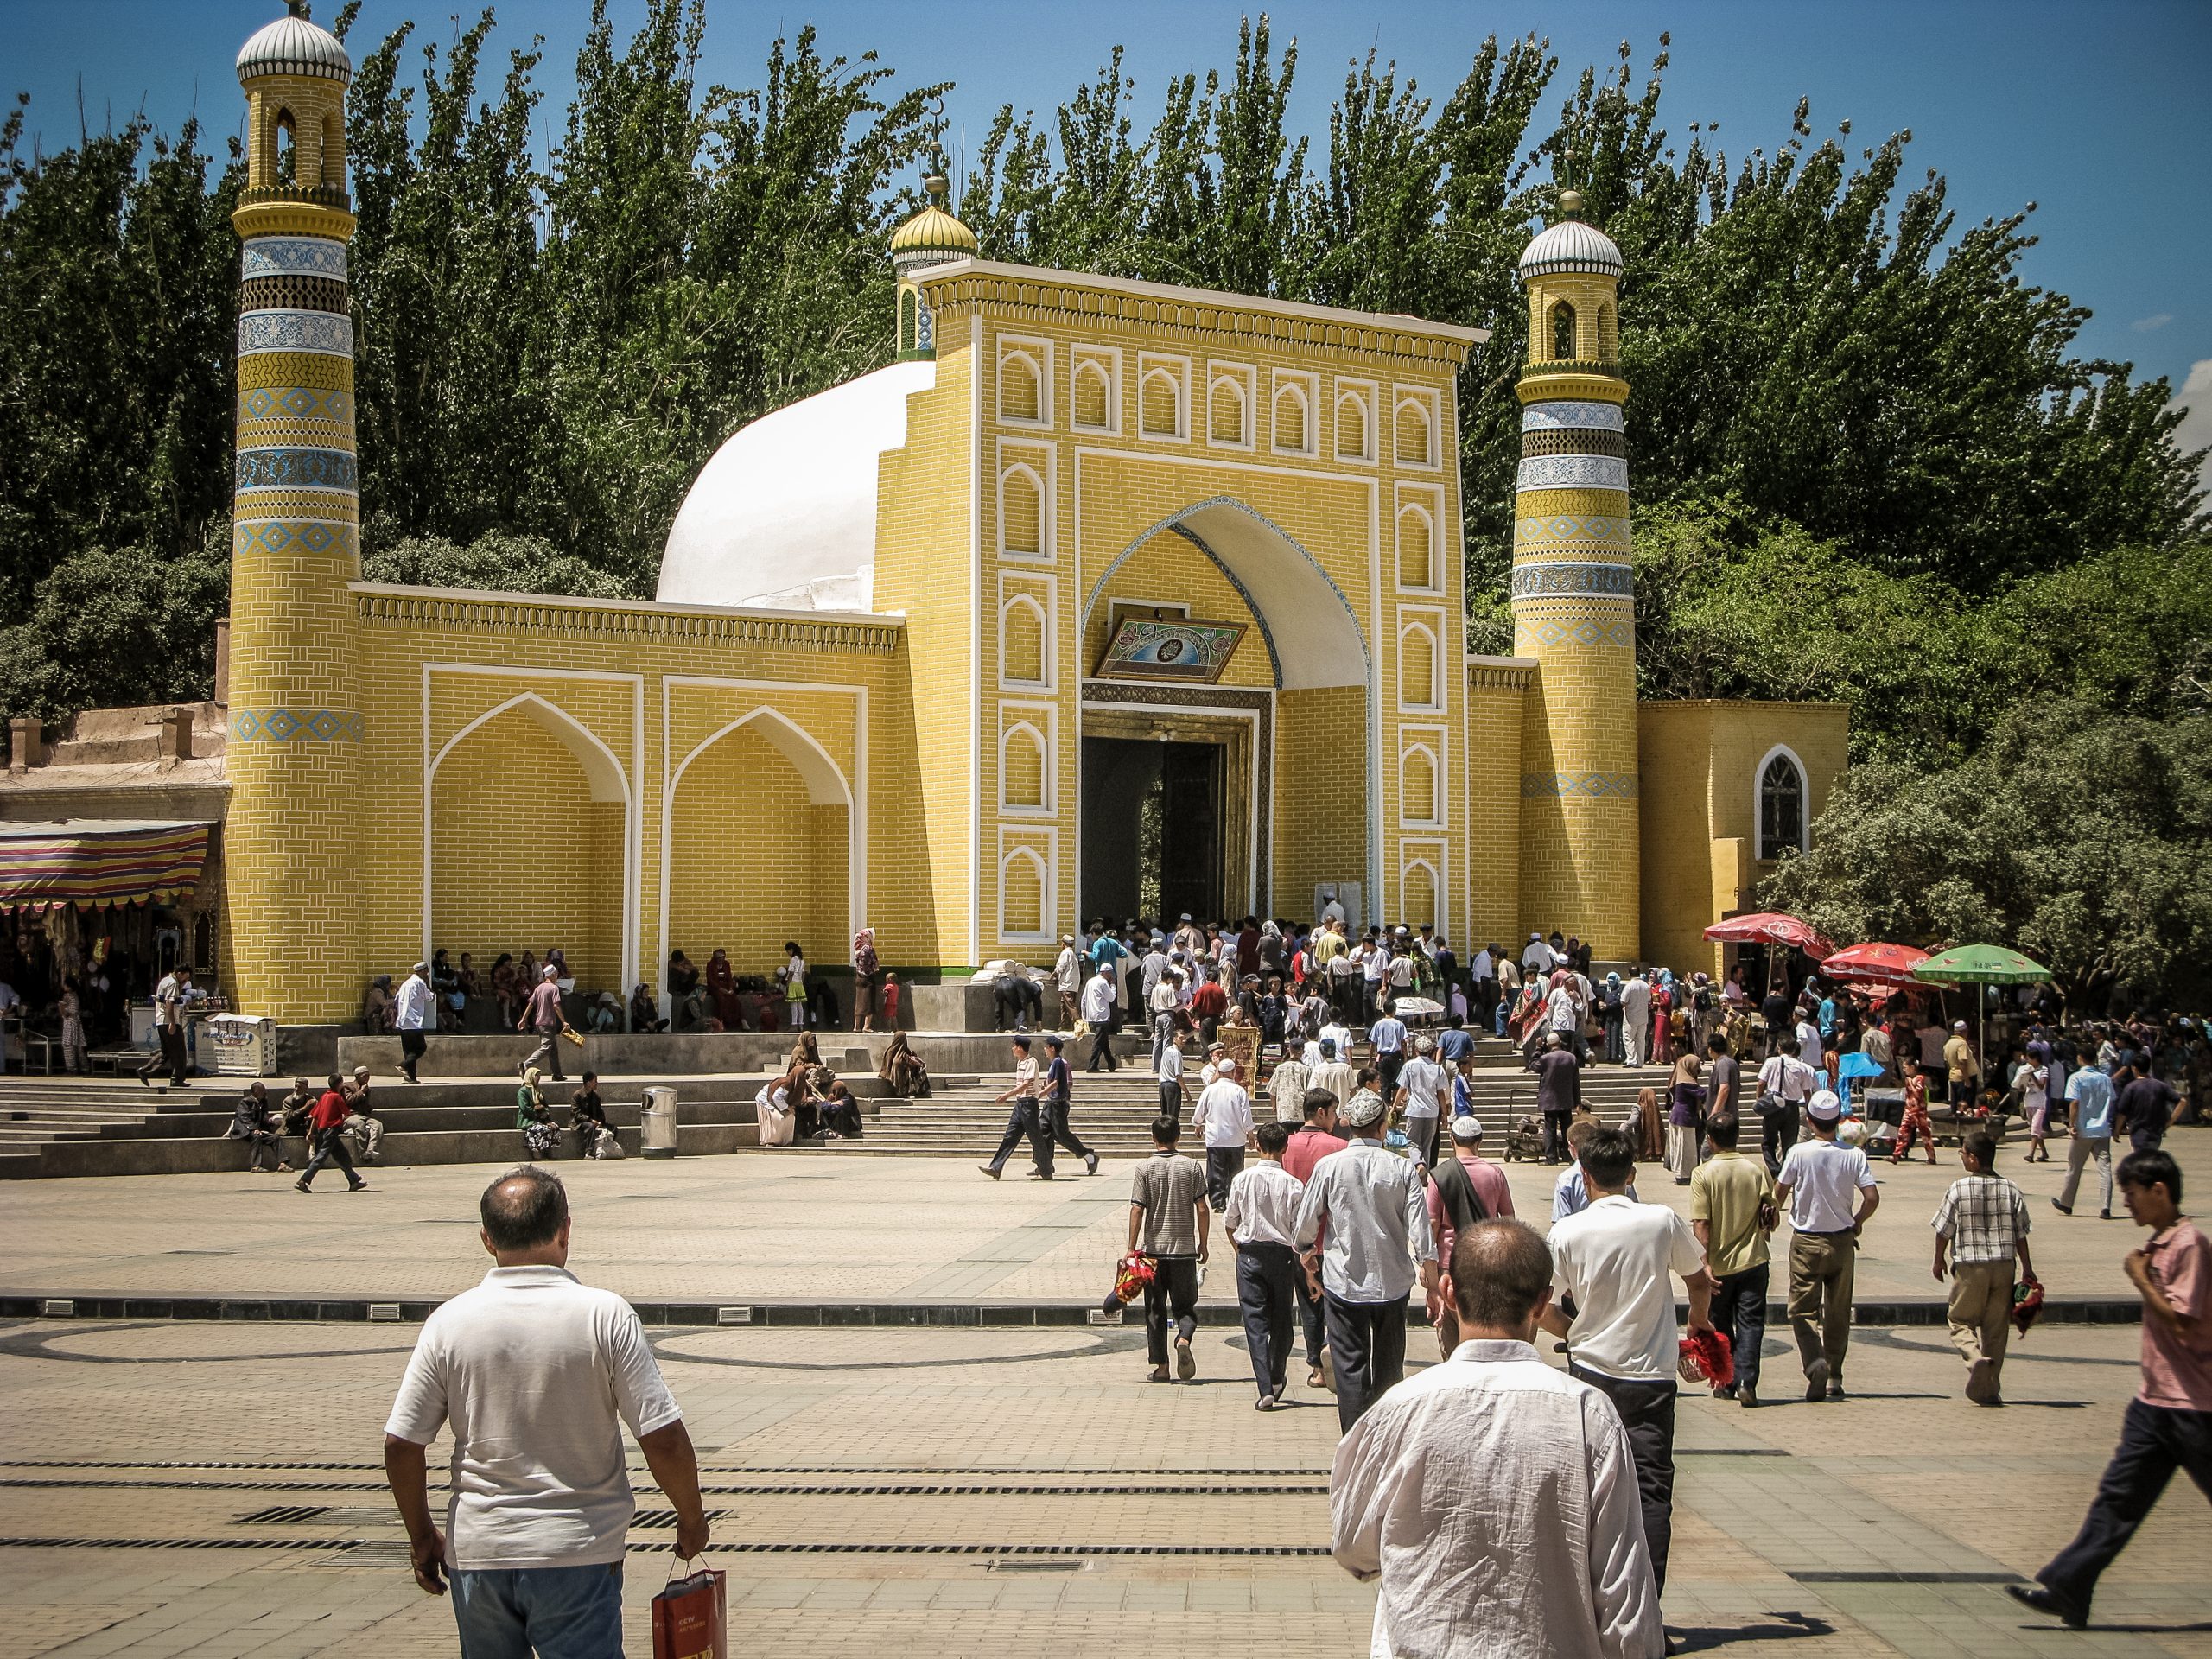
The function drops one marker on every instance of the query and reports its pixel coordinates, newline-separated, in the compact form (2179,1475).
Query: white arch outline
(1435,894)
(1235,381)
(1296,390)
(1758,803)
(1180,388)
(1432,819)
(1043,550)
(1043,679)
(1096,366)
(603,771)
(1421,407)
(1046,900)
(1360,398)
(1012,354)
(1398,549)
(1006,803)
(1434,702)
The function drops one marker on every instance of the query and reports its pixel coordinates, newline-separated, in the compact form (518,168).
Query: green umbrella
(1980,965)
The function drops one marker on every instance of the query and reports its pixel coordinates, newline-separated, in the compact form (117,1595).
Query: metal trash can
(657,1122)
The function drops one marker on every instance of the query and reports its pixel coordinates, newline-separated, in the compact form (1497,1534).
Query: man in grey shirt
(1168,1222)
(1375,1206)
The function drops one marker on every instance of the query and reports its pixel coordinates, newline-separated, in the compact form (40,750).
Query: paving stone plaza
(1007,1483)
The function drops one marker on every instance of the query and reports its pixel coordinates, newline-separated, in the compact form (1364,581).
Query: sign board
(1170,648)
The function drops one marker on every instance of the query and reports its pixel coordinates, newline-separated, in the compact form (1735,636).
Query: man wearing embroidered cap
(1818,1183)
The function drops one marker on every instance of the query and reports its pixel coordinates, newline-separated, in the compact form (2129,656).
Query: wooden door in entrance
(1152,825)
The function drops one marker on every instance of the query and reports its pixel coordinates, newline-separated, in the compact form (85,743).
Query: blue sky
(2101,114)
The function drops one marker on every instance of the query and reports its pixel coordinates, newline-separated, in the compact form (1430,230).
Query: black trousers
(1367,1348)
(2154,1441)
(1173,1292)
(1102,1049)
(1056,1126)
(1422,1132)
(1223,1164)
(171,1058)
(1555,1135)
(1778,1134)
(330,1148)
(1264,1275)
(1025,1120)
(1647,1410)
(1739,1309)
(1170,1099)
(1309,1316)
(1387,1067)
(412,1044)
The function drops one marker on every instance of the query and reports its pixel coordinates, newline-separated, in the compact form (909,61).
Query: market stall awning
(1883,964)
(97,861)
(1770,927)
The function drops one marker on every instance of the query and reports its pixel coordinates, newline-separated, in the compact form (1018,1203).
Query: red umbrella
(1770,927)
(1886,964)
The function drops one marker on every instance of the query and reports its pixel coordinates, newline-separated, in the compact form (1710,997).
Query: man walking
(1311,1142)
(2090,1093)
(1168,1223)
(326,1135)
(1067,980)
(1262,1221)
(1786,1083)
(1732,1211)
(1288,1082)
(541,1014)
(2169,1422)
(2143,1103)
(1223,1118)
(1981,1224)
(1388,1036)
(1559,1091)
(1059,1084)
(536,1373)
(1538,1547)
(1374,1207)
(1463,1189)
(1167,1067)
(1818,1178)
(1098,1014)
(1614,1259)
(414,1010)
(1025,1120)
(1635,1019)
(1422,1087)
(1334,1073)
(171,997)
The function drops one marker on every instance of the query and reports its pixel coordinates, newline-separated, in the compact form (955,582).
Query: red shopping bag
(690,1618)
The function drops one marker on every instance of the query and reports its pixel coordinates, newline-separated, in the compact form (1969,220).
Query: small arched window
(1163,405)
(1290,419)
(1021,641)
(287,150)
(1782,806)
(1562,333)
(1609,338)
(1413,434)
(1418,896)
(1352,426)
(1416,551)
(331,174)
(1417,785)
(1022,895)
(1021,388)
(1417,667)
(1226,421)
(1021,514)
(1023,782)
(1094,396)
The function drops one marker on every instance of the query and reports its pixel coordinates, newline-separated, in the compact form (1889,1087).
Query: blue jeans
(562,1612)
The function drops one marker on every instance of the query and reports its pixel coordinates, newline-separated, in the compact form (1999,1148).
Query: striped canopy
(97,861)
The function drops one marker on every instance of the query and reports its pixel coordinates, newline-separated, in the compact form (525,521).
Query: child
(1916,1112)
(1980,1226)
(2032,1078)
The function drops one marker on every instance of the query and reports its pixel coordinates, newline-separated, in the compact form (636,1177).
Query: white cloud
(2196,405)
(2148,325)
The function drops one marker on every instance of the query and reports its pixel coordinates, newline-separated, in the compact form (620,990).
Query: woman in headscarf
(1275,954)
(805,1052)
(775,1108)
(721,987)
(903,1069)
(535,1119)
(1650,1127)
(841,1113)
(868,974)
(644,1013)
(376,1006)
(1685,1113)
(1662,1019)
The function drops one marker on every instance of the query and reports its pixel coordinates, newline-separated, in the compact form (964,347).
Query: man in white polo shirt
(1422,1087)
(533,1369)
(1224,1118)
(1614,1259)
(1819,1181)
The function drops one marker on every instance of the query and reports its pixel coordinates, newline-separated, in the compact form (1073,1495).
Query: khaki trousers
(1821,1268)
(1981,1311)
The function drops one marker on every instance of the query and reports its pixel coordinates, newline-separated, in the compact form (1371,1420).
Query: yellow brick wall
(1490,808)
(1700,761)
(1320,827)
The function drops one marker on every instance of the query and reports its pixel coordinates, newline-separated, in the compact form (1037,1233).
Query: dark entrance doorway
(1152,826)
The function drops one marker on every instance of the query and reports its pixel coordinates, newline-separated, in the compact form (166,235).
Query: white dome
(1571,245)
(784,514)
(293,46)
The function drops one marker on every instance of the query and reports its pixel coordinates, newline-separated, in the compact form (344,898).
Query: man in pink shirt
(1312,1141)
(1463,1189)
(2169,1422)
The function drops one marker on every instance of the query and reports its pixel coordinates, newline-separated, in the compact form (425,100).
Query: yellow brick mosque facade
(874,688)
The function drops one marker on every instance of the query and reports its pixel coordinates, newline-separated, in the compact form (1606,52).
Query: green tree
(496,560)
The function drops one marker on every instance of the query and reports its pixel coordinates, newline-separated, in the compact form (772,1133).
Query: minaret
(295,728)
(932,236)
(1573,607)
